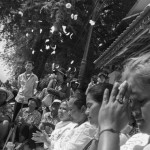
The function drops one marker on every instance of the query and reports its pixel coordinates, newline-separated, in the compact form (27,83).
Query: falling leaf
(47,40)
(75,17)
(92,22)
(53,52)
(72,62)
(69,68)
(41,30)
(64,29)
(33,52)
(68,33)
(68,5)
(57,66)
(47,47)
(71,36)
(20,13)
(52,29)
(54,47)
(27,34)
(100,44)
(40,21)
(72,16)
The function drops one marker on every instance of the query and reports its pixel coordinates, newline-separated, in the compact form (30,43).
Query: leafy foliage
(36,28)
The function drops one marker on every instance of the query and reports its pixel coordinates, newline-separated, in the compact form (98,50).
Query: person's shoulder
(5,106)
(25,109)
(34,75)
(47,114)
(137,140)
(22,74)
(86,126)
(140,135)
(37,112)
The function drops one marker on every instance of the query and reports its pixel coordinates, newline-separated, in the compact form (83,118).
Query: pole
(84,59)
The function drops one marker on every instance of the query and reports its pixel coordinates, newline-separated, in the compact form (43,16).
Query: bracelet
(110,130)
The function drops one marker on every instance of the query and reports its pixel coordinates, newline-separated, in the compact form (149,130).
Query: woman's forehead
(138,90)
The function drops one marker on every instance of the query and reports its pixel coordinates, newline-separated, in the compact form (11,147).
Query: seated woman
(80,136)
(29,119)
(51,116)
(60,90)
(82,133)
(61,128)
(5,113)
(113,115)
(93,101)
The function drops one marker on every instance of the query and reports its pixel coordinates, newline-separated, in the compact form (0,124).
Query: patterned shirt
(27,87)
(6,110)
(47,117)
(32,118)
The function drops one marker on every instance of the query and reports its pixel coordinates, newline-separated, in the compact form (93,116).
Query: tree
(34,29)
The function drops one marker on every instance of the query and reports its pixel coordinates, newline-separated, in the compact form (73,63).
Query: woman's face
(63,112)
(140,95)
(92,109)
(32,104)
(76,114)
(3,97)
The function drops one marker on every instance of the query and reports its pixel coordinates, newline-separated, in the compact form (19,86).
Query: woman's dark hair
(36,100)
(97,91)
(79,99)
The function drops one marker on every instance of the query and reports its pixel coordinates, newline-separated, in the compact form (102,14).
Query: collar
(27,110)
(24,74)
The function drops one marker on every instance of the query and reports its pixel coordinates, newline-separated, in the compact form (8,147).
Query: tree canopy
(48,31)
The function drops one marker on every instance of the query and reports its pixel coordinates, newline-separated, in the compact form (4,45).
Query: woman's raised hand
(114,110)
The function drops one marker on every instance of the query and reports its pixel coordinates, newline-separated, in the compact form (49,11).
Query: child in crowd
(50,117)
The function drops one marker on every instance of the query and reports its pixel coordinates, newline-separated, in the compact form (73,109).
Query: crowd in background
(62,117)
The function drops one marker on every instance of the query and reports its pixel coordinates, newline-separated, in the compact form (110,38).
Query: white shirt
(61,129)
(26,87)
(136,142)
(77,139)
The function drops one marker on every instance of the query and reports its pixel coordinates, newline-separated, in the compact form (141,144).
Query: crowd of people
(62,117)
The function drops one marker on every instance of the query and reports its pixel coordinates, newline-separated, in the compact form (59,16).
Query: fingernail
(122,84)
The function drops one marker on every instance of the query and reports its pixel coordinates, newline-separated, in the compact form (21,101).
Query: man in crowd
(73,86)
(5,113)
(27,84)
(102,77)
(60,90)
